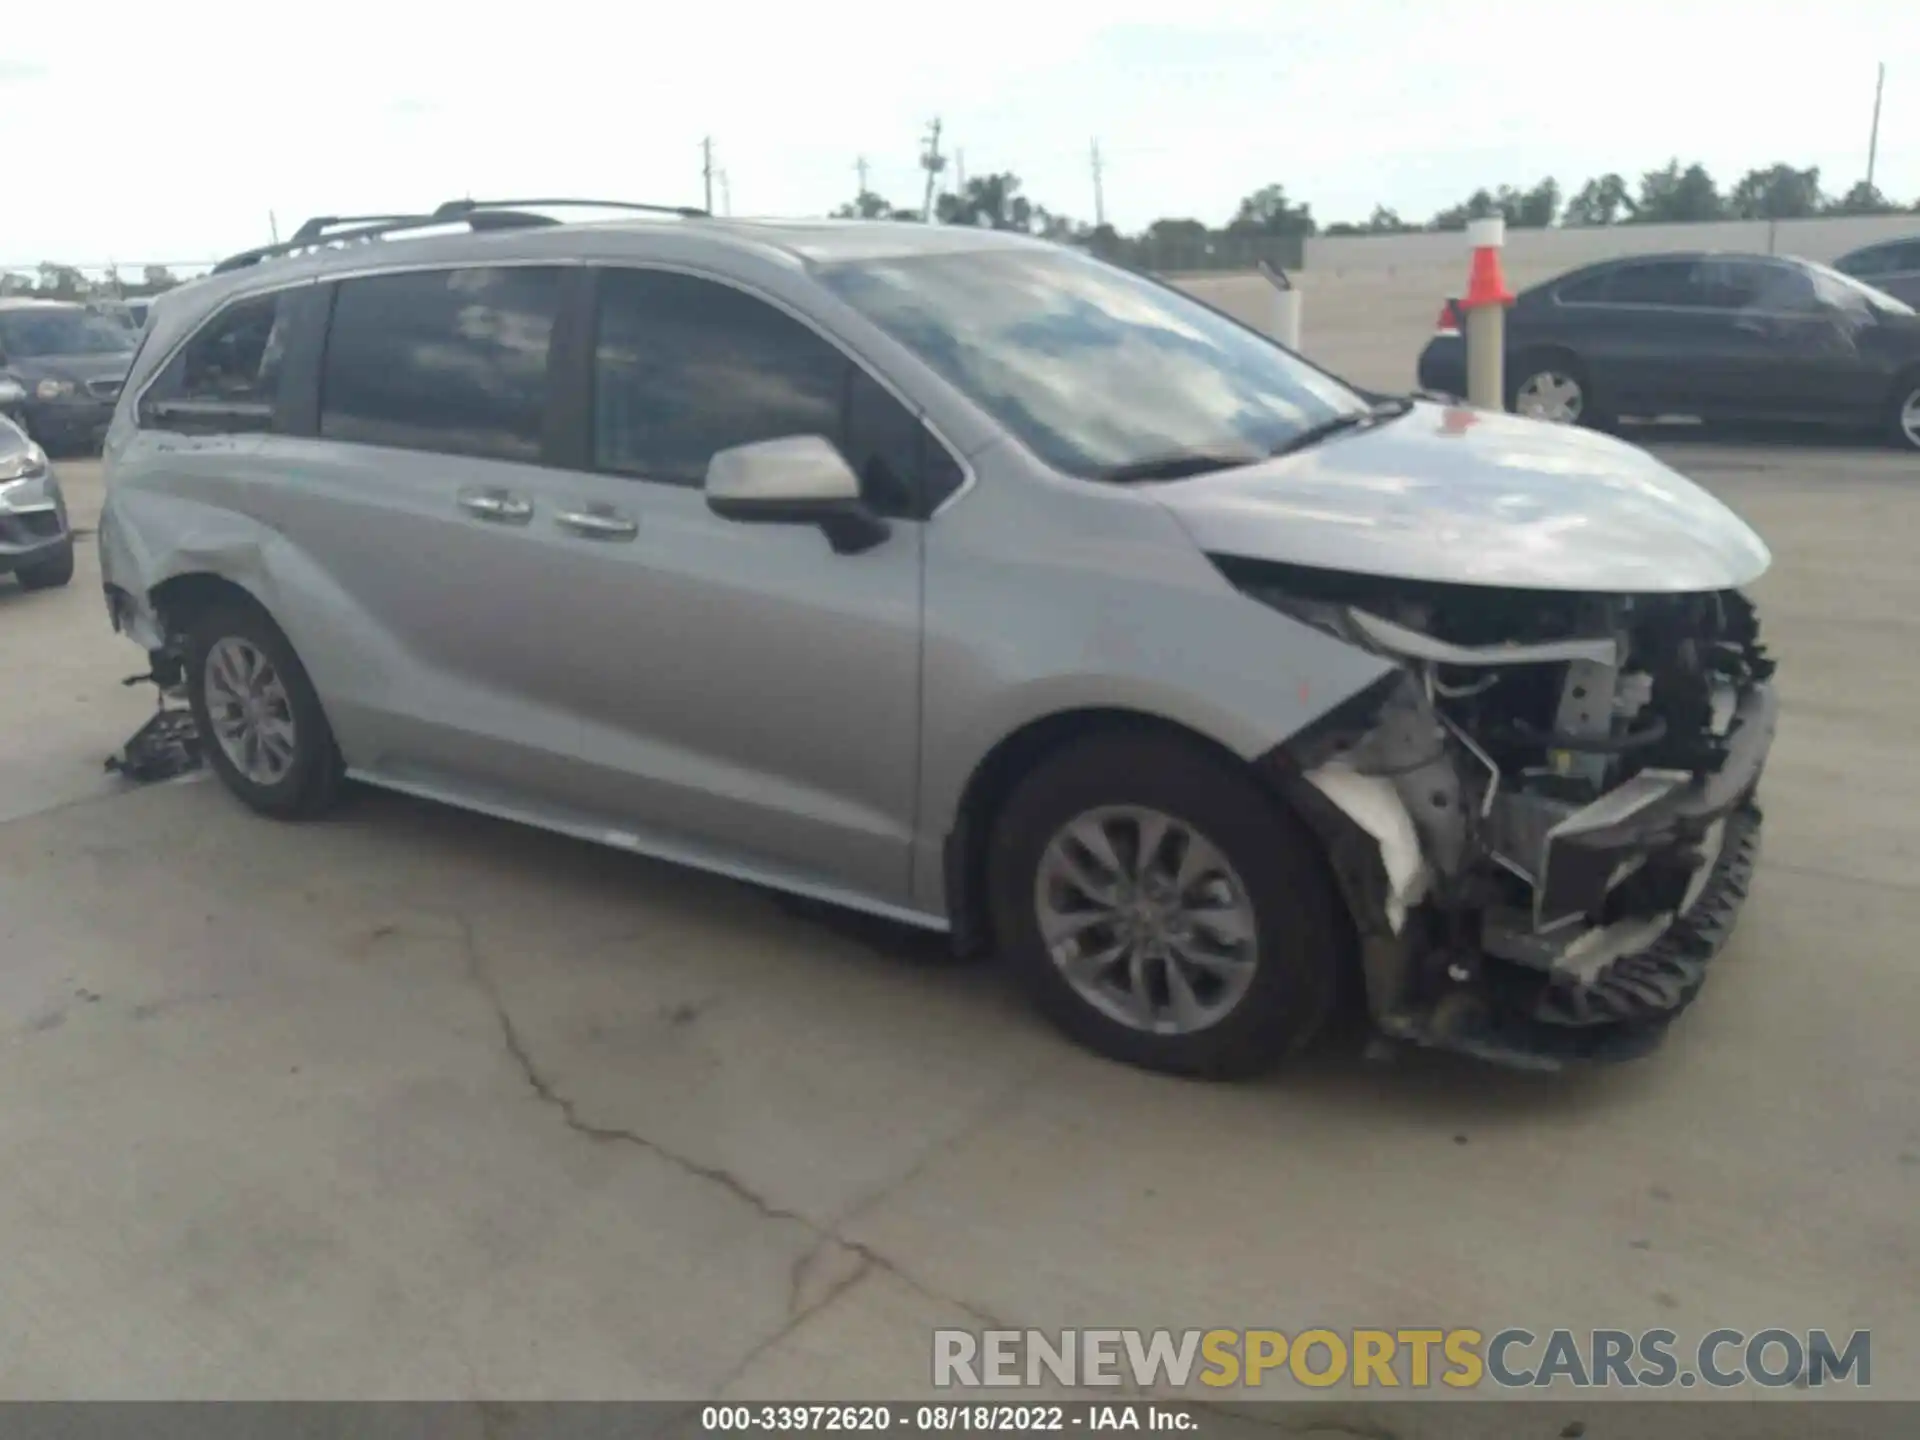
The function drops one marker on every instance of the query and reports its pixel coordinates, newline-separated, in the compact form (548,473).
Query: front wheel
(260,722)
(1904,426)
(1163,910)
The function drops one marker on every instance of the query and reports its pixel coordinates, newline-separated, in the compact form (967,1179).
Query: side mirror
(795,480)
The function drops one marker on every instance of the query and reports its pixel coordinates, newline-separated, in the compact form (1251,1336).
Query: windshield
(1095,370)
(27,334)
(1828,279)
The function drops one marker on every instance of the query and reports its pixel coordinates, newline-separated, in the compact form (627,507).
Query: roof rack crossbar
(477,215)
(454,209)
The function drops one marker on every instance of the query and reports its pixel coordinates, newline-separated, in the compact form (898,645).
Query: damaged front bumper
(1543,881)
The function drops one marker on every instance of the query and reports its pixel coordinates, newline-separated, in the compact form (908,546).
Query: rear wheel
(1903,426)
(260,722)
(48,574)
(1163,910)
(1553,387)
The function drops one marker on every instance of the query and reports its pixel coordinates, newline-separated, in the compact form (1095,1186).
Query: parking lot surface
(414,1104)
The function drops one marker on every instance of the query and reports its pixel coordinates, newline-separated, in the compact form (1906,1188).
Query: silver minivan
(966,580)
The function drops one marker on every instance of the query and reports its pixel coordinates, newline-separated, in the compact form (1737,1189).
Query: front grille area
(29,529)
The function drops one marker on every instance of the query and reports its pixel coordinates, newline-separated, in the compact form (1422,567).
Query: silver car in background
(36,540)
(966,580)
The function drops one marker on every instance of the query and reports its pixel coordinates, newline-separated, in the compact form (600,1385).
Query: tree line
(1267,224)
(53,281)
(1675,193)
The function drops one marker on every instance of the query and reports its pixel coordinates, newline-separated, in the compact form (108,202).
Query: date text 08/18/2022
(939,1419)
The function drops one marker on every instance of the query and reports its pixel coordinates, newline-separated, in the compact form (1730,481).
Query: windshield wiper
(1177,466)
(1340,424)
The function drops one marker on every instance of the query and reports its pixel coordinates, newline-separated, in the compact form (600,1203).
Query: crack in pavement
(868,1259)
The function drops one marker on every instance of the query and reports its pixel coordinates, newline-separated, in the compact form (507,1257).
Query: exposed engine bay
(1544,821)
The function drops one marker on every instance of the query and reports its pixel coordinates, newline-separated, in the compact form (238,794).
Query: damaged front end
(1544,820)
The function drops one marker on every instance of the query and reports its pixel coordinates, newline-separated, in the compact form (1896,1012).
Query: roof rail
(456,209)
(478,215)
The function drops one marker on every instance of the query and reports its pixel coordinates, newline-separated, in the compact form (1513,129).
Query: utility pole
(1873,143)
(933,162)
(273,227)
(1099,193)
(960,172)
(860,169)
(726,194)
(706,169)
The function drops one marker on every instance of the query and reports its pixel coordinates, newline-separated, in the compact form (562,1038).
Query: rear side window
(685,367)
(227,376)
(453,361)
(1868,263)
(1658,282)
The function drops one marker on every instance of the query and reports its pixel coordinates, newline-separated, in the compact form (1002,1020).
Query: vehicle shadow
(1342,1073)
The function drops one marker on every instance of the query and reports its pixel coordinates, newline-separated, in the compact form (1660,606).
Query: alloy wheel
(1146,920)
(250,710)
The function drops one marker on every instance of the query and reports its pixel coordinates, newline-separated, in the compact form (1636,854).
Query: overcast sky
(168,133)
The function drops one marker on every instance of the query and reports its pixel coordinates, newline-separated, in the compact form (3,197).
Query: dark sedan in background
(71,362)
(1714,336)
(1891,265)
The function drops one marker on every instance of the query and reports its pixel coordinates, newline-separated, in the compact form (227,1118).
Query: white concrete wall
(1368,303)
(1560,249)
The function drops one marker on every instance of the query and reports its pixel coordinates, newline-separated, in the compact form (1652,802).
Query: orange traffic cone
(1449,321)
(1486,285)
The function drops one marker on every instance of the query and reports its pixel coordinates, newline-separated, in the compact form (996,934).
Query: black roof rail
(477,215)
(456,209)
(316,232)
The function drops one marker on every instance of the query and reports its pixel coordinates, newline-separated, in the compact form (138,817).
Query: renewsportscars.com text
(1459,1359)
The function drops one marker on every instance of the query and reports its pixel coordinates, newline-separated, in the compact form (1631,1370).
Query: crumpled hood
(1476,498)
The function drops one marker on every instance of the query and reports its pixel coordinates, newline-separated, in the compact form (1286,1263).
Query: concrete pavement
(414,1104)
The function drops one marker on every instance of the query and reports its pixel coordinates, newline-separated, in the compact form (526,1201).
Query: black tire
(48,574)
(1559,362)
(312,782)
(1300,952)
(1906,393)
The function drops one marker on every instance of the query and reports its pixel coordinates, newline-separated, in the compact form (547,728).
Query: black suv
(71,362)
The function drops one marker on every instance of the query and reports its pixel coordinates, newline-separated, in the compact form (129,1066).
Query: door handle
(597,525)
(497,506)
